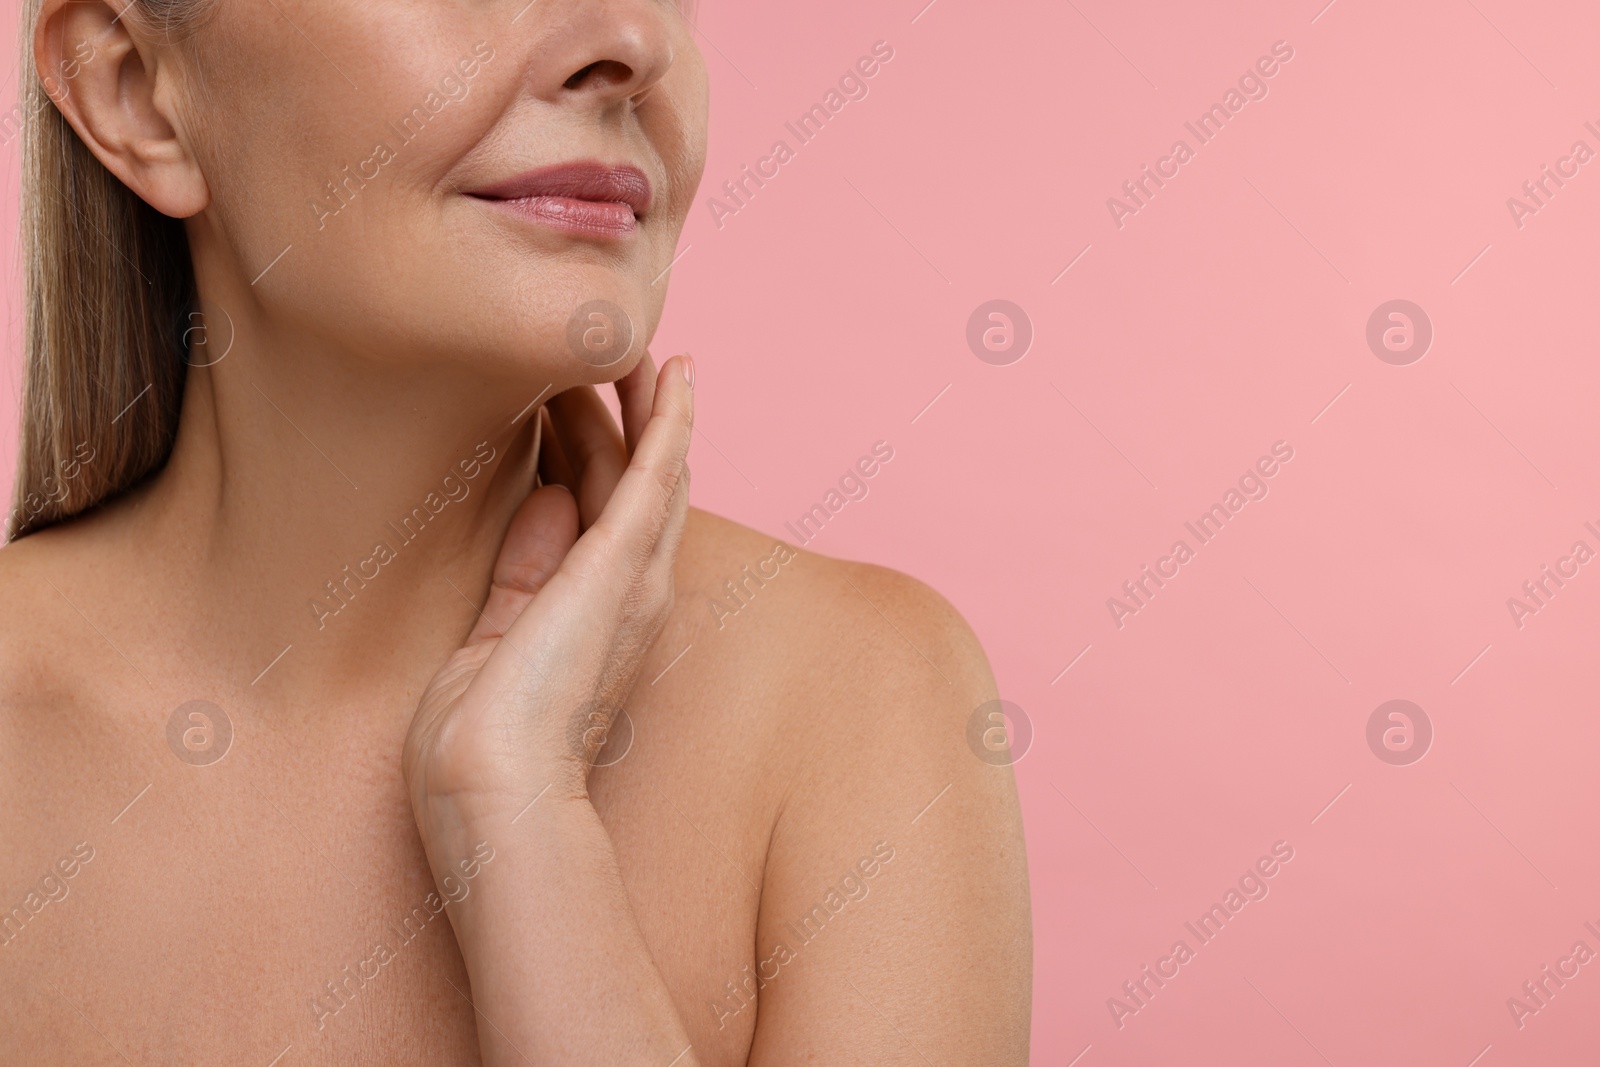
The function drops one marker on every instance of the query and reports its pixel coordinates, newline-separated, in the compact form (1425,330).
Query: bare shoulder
(25,590)
(54,652)
(775,609)
(55,585)
(847,661)
(898,822)
(44,736)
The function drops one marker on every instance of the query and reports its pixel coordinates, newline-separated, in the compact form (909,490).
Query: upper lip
(585,180)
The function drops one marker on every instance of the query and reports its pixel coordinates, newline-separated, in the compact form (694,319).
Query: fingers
(631,545)
(645,503)
(666,549)
(585,437)
(553,466)
(541,533)
(636,391)
(602,597)
(592,445)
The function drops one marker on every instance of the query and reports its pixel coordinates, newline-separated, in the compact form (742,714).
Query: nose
(605,50)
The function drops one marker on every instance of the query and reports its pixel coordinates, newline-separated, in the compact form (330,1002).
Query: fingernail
(688,370)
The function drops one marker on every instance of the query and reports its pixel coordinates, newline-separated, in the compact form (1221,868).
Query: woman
(338,603)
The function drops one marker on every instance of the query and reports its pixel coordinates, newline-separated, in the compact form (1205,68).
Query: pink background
(1223,317)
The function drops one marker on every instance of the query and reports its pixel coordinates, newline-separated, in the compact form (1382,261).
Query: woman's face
(492,184)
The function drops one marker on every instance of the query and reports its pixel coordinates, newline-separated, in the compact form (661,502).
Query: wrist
(488,871)
(452,822)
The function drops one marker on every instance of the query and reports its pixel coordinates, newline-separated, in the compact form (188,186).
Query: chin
(599,324)
(545,354)
(566,320)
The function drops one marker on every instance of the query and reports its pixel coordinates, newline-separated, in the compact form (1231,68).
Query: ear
(118,87)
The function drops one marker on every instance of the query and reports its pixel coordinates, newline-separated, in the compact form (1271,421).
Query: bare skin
(774,755)
(790,793)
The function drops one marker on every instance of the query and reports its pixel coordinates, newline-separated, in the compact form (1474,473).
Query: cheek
(326,195)
(679,132)
(293,98)
(333,177)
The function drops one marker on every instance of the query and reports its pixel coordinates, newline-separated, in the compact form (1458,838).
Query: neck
(334,519)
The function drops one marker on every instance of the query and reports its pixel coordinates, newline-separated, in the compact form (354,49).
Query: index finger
(636,391)
(641,505)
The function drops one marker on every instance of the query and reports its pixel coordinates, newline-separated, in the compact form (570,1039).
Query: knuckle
(658,593)
(664,597)
(671,476)
(652,598)
(642,592)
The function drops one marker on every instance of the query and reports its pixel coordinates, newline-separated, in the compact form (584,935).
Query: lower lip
(593,218)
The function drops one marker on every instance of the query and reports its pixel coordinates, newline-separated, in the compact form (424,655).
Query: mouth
(584,198)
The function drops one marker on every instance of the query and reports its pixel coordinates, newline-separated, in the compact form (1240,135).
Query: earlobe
(113,84)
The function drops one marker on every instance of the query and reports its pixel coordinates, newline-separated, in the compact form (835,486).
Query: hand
(579,446)
(582,586)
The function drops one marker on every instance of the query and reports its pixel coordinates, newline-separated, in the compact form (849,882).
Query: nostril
(577,79)
(618,72)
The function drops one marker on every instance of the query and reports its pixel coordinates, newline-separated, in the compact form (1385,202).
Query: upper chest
(278,898)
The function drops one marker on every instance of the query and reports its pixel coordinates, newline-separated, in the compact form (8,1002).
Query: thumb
(541,533)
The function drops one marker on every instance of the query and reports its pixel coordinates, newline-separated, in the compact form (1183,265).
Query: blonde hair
(108,287)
